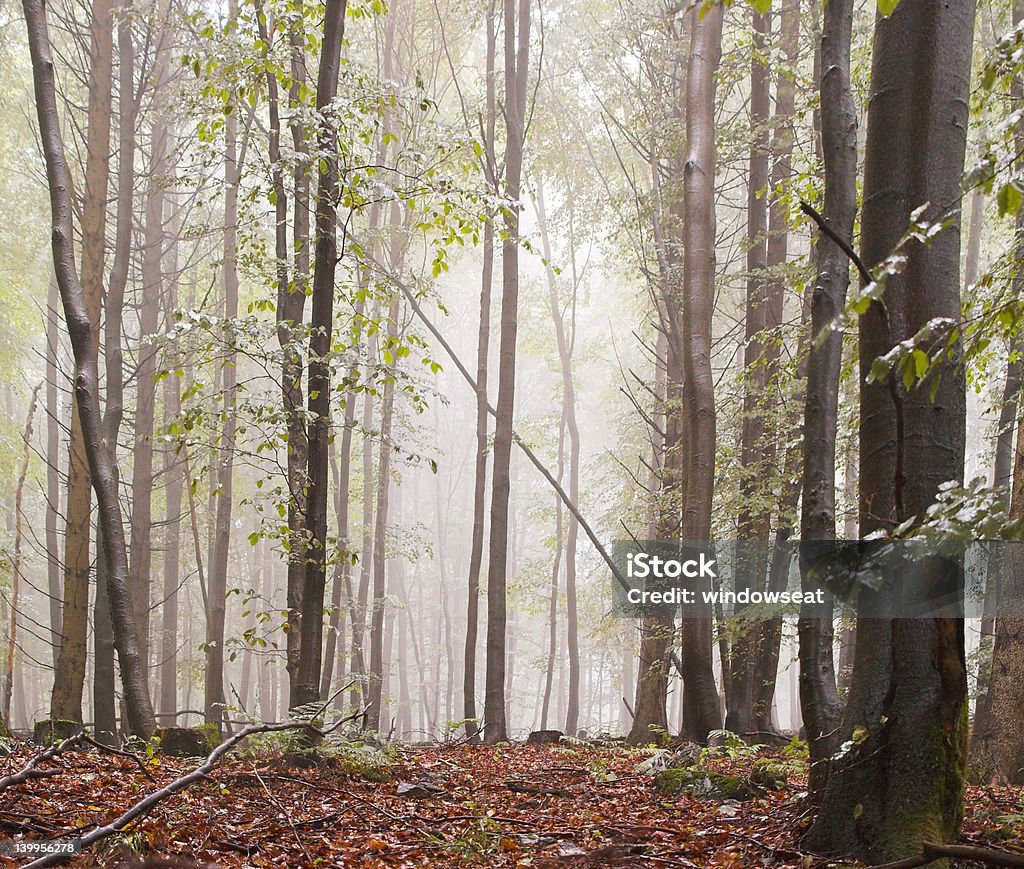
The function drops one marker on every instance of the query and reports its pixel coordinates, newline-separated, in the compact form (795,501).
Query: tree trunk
(306,688)
(53,428)
(516,78)
(69,675)
(140,546)
(908,700)
(214,699)
(19,490)
(483,340)
(565,344)
(83,342)
(701,704)
(291,306)
(821,707)
(982,729)
(754,521)
(770,632)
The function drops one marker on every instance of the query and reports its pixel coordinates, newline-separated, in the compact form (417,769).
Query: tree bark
(702,712)
(565,344)
(83,342)
(19,490)
(516,79)
(820,705)
(222,469)
(140,543)
(908,699)
(69,675)
(783,138)
(469,712)
(306,688)
(53,428)
(754,521)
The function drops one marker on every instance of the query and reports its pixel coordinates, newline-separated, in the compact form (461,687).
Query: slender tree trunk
(754,523)
(565,344)
(981,730)
(19,490)
(307,679)
(53,427)
(770,632)
(908,699)
(83,342)
(469,712)
(821,707)
(214,699)
(373,721)
(516,78)
(104,676)
(69,675)
(140,545)
(701,709)
(291,305)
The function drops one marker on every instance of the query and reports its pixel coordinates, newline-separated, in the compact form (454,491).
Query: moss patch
(769,774)
(701,782)
(51,730)
(188,741)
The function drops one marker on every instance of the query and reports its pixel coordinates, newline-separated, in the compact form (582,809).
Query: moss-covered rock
(51,730)
(769,774)
(700,782)
(188,741)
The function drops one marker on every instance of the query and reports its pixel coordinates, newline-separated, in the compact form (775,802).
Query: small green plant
(725,743)
(599,771)
(480,840)
(362,760)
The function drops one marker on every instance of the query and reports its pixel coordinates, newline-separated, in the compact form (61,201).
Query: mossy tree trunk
(902,781)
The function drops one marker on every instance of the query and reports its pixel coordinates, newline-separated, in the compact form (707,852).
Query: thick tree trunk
(702,712)
(83,342)
(821,707)
(306,688)
(908,700)
(69,675)
(516,78)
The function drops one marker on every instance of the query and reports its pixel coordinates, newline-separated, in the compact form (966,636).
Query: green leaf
(1009,199)
(879,370)
(921,363)
(886,7)
(761,6)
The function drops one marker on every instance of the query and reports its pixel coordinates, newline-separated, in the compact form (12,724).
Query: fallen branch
(109,749)
(930,852)
(200,772)
(31,770)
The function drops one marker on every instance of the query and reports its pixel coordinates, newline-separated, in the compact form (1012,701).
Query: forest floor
(518,805)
